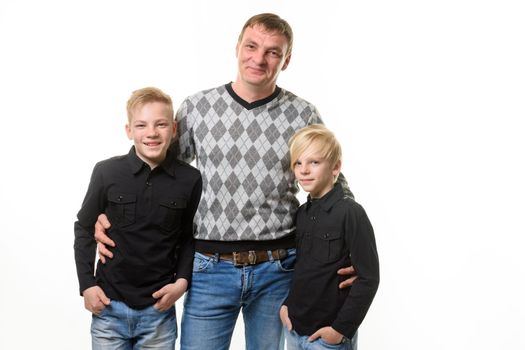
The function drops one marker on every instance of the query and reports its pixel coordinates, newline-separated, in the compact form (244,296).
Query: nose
(304,169)
(258,57)
(152,131)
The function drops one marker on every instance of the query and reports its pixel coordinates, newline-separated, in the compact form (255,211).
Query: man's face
(151,130)
(261,57)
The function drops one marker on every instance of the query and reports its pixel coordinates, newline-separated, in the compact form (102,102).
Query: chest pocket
(122,208)
(171,213)
(327,247)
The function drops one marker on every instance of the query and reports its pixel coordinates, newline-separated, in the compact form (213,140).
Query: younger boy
(333,231)
(150,198)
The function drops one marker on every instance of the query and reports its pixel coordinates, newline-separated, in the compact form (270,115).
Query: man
(245,250)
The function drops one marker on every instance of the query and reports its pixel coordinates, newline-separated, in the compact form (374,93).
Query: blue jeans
(119,327)
(219,291)
(295,341)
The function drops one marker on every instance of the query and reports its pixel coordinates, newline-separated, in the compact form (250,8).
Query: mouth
(152,144)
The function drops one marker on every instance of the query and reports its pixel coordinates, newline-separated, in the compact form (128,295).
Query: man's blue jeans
(219,291)
(119,327)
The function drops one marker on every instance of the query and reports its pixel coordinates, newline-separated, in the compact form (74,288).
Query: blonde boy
(333,231)
(151,199)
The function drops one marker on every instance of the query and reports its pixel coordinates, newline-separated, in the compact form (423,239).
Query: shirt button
(119,198)
(148,183)
(313,218)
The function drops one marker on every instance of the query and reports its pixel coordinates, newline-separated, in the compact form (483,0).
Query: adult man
(238,134)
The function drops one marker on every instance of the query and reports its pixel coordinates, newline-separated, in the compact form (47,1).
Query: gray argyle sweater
(241,150)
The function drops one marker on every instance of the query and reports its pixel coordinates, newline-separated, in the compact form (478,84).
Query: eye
(275,54)
(162,125)
(139,126)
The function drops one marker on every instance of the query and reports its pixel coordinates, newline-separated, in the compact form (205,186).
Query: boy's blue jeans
(219,291)
(295,341)
(119,327)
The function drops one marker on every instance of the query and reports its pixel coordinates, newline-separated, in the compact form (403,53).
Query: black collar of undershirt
(253,104)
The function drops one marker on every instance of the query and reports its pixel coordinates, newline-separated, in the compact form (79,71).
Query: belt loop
(252,257)
(270,255)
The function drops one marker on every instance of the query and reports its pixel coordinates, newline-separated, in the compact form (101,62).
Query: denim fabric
(295,341)
(219,291)
(120,327)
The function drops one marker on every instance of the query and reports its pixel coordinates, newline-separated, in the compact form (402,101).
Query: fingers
(314,336)
(347,283)
(103,251)
(103,220)
(346,271)
(160,293)
(283,313)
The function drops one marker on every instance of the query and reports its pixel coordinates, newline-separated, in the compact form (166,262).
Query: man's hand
(346,271)
(328,334)
(283,313)
(102,239)
(95,300)
(169,294)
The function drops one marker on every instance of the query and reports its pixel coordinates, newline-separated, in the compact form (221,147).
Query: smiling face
(314,172)
(151,128)
(261,56)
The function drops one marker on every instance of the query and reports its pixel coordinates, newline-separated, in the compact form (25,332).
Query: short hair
(148,95)
(272,23)
(317,134)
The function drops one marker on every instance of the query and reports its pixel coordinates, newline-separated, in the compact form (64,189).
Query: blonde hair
(272,23)
(318,135)
(147,95)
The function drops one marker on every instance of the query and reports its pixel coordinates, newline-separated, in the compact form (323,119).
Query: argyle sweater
(242,152)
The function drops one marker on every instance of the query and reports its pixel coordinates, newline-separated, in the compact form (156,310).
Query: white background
(427,98)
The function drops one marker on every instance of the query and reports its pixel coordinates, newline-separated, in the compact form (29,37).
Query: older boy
(332,232)
(151,198)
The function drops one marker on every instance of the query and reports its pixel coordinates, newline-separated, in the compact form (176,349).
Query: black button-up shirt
(332,232)
(151,214)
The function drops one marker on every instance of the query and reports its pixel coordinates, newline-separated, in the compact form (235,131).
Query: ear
(337,168)
(237,49)
(174,129)
(128,132)
(286,61)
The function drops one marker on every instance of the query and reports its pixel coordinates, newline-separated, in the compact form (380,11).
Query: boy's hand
(95,300)
(328,334)
(169,294)
(283,313)
(102,239)
(346,271)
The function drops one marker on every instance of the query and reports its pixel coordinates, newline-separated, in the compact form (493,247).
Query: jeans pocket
(325,345)
(288,264)
(202,263)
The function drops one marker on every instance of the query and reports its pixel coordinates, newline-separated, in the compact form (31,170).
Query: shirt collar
(168,165)
(328,200)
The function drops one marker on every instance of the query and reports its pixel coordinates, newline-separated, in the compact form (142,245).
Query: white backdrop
(427,98)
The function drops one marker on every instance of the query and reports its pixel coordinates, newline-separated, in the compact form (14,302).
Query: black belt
(251,257)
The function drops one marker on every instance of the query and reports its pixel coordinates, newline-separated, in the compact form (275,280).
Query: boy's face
(315,173)
(151,130)
(261,57)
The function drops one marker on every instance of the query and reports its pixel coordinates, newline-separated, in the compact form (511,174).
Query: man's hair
(318,135)
(272,23)
(148,95)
